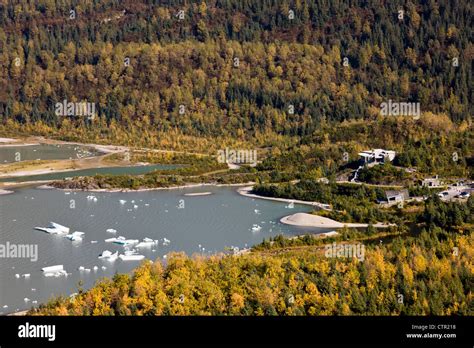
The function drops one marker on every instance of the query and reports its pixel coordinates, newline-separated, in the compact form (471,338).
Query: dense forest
(300,81)
(255,70)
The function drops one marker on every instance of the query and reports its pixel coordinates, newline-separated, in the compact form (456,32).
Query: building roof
(394,193)
(377,153)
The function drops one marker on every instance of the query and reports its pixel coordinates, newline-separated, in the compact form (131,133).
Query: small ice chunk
(17,276)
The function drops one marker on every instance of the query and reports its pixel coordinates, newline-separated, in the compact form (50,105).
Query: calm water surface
(9,154)
(129,170)
(220,220)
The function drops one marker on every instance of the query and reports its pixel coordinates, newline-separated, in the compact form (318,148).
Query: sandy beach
(198,194)
(245,191)
(310,220)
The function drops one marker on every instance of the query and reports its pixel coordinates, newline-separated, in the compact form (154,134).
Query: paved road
(455,191)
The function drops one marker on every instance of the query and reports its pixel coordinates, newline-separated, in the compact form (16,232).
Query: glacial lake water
(215,221)
(129,170)
(9,154)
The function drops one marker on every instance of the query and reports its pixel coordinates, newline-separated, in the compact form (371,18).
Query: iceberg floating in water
(123,201)
(55,268)
(108,255)
(92,198)
(75,236)
(54,271)
(122,241)
(131,256)
(146,243)
(111,230)
(256,228)
(54,228)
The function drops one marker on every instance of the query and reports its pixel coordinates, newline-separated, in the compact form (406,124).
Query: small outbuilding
(397,195)
(377,156)
(431,182)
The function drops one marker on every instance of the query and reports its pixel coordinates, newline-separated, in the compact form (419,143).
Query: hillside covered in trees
(255,70)
(303,82)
